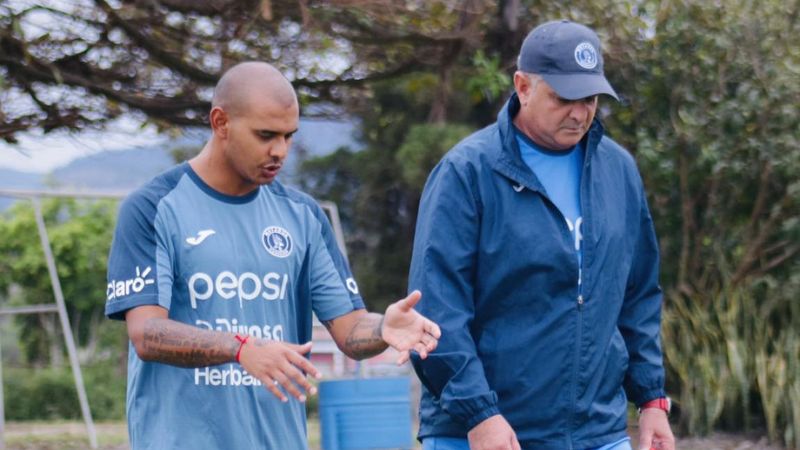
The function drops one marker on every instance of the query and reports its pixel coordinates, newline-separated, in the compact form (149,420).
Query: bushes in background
(49,394)
(734,358)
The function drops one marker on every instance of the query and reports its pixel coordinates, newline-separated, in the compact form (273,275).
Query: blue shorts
(448,443)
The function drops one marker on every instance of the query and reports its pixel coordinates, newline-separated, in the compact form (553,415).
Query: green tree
(713,122)
(80,235)
(75,65)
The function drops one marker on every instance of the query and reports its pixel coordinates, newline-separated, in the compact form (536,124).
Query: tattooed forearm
(183,345)
(365,339)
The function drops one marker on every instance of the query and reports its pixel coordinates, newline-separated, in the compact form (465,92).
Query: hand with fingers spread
(280,365)
(404,329)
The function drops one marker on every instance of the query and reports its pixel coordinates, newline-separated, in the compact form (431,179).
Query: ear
(522,84)
(219,121)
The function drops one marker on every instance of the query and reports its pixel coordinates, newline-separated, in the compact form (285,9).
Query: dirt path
(726,442)
(113,436)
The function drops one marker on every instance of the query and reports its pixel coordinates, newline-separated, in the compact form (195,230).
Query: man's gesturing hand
(404,329)
(280,364)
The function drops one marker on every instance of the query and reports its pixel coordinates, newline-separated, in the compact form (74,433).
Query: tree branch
(755,246)
(156,49)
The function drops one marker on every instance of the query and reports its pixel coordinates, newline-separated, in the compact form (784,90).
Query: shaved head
(254,114)
(252,83)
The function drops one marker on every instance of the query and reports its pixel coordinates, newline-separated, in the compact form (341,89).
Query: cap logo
(586,55)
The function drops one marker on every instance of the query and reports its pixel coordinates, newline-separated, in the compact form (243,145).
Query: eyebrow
(265,131)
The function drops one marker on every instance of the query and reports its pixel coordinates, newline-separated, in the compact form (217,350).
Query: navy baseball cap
(568,57)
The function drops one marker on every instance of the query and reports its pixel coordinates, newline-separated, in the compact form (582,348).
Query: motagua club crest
(277,241)
(586,55)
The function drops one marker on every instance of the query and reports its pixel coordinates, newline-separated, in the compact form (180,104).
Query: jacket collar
(508,161)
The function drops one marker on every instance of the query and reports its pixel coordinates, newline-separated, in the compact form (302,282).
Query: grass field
(72,435)
(113,436)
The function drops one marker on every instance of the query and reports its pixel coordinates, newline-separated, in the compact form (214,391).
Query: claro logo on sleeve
(135,285)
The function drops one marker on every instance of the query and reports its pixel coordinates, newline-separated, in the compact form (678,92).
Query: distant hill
(14,179)
(119,170)
(125,170)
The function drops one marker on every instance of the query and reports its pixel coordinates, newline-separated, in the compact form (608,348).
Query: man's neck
(210,165)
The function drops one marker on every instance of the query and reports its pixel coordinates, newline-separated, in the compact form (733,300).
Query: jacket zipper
(575,379)
(580,301)
(579,331)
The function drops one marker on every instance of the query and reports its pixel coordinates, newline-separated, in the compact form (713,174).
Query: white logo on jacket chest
(576,231)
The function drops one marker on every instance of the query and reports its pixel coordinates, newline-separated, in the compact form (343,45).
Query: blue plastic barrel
(365,413)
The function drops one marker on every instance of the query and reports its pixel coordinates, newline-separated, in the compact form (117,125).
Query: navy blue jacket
(497,266)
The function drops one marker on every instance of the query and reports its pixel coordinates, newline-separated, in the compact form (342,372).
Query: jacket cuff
(647,395)
(474,410)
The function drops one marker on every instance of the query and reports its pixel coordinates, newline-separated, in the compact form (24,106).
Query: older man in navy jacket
(538,258)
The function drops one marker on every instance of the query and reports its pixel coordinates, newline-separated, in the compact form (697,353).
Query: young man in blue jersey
(538,258)
(216,269)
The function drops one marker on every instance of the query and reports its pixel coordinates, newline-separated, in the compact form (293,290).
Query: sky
(41,153)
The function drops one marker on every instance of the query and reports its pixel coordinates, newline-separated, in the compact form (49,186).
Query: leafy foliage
(424,147)
(717,136)
(713,124)
(78,64)
(49,394)
(80,236)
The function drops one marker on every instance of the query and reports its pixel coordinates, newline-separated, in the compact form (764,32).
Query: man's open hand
(404,329)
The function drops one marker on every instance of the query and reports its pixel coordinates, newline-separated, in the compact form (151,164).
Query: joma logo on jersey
(247,286)
(117,289)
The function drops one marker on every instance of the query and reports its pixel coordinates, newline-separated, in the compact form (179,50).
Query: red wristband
(664,404)
(242,340)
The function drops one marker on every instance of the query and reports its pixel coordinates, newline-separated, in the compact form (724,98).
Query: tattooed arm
(360,334)
(158,338)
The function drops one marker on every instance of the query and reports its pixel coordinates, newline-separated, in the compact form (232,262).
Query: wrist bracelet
(242,340)
(663,403)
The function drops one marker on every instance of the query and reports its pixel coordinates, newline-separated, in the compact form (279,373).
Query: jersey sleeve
(139,266)
(334,291)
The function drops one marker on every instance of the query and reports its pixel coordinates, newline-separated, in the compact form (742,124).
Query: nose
(580,111)
(279,148)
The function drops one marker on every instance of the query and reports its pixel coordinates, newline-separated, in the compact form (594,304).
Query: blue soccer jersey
(258,265)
